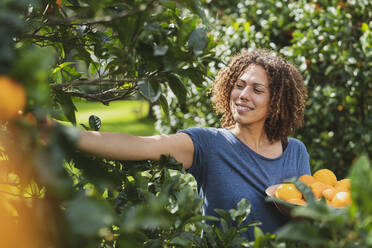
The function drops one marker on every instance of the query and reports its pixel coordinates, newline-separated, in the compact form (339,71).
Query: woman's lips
(243,108)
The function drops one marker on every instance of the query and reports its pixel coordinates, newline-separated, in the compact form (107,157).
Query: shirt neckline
(257,154)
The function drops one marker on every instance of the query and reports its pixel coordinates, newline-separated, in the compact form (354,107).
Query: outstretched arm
(122,146)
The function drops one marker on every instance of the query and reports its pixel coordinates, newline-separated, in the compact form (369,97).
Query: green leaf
(198,41)
(242,211)
(126,30)
(316,211)
(360,174)
(224,215)
(195,75)
(147,90)
(224,226)
(87,216)
(94,122)
(303,232)
(186,26)
(149,215)
(194,5)
(61,66)
(160,50)
(364,27)
(168,4)
(164,105)
(186,239)
(257,232)
(211,235)
(178,87)
(67,105)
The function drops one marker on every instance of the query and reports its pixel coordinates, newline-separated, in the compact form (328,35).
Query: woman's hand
(45,127)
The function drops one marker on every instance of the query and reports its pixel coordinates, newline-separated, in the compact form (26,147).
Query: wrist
(70,135)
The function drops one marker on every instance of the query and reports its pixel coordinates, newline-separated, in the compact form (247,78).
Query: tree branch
(102,96)
(100,81)
(95,82)
(93,21)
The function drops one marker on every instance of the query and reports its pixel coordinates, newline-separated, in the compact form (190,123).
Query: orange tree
(55,196)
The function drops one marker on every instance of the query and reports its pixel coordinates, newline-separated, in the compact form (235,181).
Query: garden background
(153,61)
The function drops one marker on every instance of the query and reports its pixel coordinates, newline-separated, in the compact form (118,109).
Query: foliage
(330,42)
(166,51)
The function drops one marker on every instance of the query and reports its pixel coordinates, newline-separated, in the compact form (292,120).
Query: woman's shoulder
(205,133)
(206,130)
(296,143)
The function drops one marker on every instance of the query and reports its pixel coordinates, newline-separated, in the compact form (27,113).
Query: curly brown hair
(287,92)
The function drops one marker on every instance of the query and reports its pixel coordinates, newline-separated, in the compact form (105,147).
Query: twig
(53,38)
(99,96)
(100,81)
(95,82)
(106,19)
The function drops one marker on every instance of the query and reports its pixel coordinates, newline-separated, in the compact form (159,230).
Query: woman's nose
(245,94)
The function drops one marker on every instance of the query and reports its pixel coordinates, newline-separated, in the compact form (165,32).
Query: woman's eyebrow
(254,83)
(259,84)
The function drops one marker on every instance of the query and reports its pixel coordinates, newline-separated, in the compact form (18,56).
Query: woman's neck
(257,140)
(253,136)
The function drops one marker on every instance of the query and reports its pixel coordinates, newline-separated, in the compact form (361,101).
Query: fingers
(45,126)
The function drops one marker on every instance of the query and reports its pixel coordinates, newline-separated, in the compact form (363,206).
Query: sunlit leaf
(198,41)
(94,122)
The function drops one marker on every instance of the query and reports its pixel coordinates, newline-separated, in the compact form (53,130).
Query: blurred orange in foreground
(12,98)
(25,213)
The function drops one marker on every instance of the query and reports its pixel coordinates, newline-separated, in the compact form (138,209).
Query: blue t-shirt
(226,170)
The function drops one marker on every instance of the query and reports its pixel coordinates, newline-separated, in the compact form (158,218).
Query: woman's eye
(258,91)
(239,86)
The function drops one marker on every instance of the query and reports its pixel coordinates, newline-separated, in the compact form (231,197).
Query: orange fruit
(307,179)
(318,188)
(12,98)
(297,201)
(341,199)
(343,185)
(288,191)
(325,176)
(329,193)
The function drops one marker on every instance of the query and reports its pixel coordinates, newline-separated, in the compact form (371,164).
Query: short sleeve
(200,139)
(304,160)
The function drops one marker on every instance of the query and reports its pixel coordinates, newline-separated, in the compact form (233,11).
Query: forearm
(117,146)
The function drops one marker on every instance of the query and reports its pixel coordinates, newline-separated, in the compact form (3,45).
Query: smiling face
(250,96)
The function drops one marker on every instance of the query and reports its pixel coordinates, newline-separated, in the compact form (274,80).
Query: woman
(261,98)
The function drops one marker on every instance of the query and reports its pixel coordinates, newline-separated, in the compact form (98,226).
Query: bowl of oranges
(323,184)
